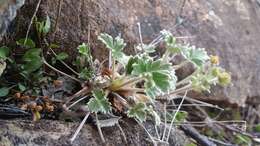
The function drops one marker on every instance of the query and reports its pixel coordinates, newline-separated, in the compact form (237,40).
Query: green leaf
(129,66)
(39,27)
(107,40)
(47,25)
(62,56)
(21,87)
(160,77)
(147,48)
(138,111)
(170,41)
(26,43)
(4,52)
(116,46)
(84,49)
(4,91)
(198,56)
(54,46)
(33,60)
(31,54)
(257,128)
(180,116)
(242,139)
(99,103)
(202,82)
(86,74)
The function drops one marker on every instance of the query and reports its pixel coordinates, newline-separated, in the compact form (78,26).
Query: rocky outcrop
(56,133)
(229,29)
(8,10)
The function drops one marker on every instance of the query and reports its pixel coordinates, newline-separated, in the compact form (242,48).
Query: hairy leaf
(198,56)
(138,112)
(116,46)
(99,103)
(146,48)
(170,41)
(159,75)
(84,49)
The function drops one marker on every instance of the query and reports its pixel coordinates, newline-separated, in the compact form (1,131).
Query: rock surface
(8,10)
(230,27)
(56,133)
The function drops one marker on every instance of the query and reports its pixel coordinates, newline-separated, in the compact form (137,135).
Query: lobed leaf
(138,111)
(99,103)
(198,56)
(116,46)
(159,75)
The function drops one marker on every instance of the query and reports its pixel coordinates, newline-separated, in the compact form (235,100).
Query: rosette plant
(132,84)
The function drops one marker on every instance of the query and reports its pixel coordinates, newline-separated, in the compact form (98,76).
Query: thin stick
(176,67)
(140,35)
(173,119)
(74,103)
(57,15)
(186,79)
(110,59)
(165,121)
(133,89)
(122,131)
(220,142)
(53,68)
(80,127)
(121,99)
(85,90)
(34,14)
(156,130)
(131,81)
(99,129)
(64,63)
(151,137)
(177,91)
(185,37)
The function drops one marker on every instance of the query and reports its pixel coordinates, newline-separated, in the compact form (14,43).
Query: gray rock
(57,133)
(8,10)
(230,27)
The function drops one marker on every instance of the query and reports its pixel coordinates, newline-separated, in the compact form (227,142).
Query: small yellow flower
(214,59)
(215,71)
(224,78)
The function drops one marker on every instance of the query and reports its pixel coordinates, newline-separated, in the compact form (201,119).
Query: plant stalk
(65,63)
(173,119)
(99,129)
(80,127)
(53,68)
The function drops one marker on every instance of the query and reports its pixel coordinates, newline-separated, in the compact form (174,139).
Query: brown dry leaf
(118,105)
(106,71)
(142,98)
